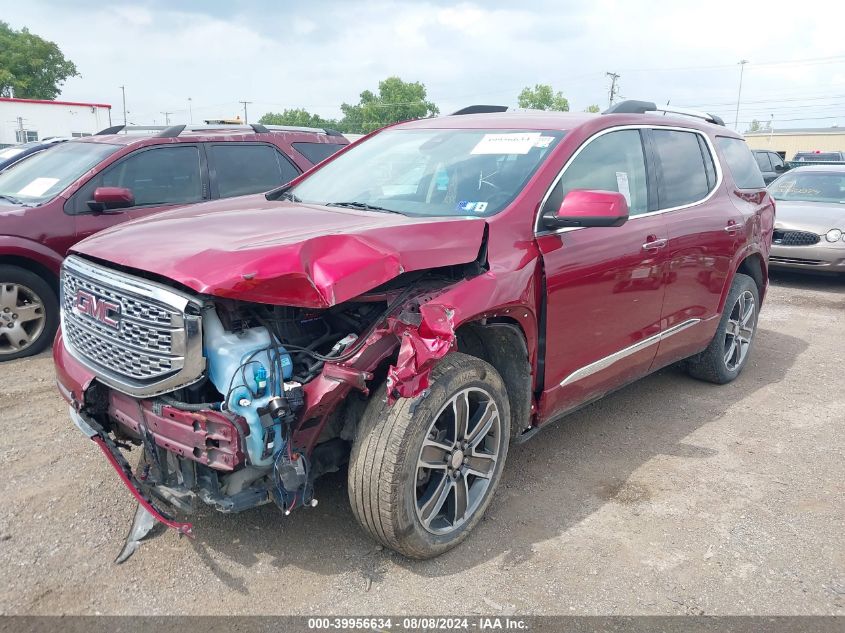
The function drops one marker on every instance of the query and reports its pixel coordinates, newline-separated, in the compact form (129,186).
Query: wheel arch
(503,343)
(754,265)
(34,267)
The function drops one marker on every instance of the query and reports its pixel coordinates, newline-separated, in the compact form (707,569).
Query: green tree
(754,127)
(30,66)
(298,117)
(592,109)
(542,97)
(396,100)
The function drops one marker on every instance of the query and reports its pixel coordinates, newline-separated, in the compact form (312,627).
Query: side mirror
(106,198)
(780,167)
(589,208)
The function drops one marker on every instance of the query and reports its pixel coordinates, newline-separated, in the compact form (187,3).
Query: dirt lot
(669,497)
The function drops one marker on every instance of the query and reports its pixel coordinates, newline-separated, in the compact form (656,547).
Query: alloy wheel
(22,317)
(739,330)
(457,461)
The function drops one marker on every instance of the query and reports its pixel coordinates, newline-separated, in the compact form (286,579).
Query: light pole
(742,64)
(123,90)
(246,118)
(190,112)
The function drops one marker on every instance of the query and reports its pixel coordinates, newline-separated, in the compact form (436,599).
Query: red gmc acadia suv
(412,306)
(53,199)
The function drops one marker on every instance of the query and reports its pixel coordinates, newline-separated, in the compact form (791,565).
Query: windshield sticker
(622,185)
(9,153)
(38,187)
(470,206)
(544,141)
(508,143)
(441,180)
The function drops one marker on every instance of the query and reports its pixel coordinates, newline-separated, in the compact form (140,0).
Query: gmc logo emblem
(102,310)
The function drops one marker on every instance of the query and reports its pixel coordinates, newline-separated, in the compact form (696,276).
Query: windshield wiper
(361,205)
(11,199)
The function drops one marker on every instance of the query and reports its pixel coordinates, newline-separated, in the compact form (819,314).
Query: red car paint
(576,297)
(38,238)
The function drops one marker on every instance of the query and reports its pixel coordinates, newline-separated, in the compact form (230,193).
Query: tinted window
(740,162)
(683,179)
(245,169)
(611,162)
(762,159)
(810,157)
(167,175)
(316,152)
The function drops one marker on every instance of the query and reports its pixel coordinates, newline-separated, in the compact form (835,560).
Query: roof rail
(632,106)
(171,132)
(115,129)
(480,109)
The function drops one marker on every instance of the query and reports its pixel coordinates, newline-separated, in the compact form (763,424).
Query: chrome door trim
(607,361)
(538,221)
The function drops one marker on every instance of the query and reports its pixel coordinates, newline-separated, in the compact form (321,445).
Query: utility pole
(742,64)
(190,112)
(246,118)
(613,89)
(123,90)
(167,117)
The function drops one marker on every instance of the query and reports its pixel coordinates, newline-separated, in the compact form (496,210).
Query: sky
(321,53)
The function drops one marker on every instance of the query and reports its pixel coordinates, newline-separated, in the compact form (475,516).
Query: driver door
(159,177)
(604,285)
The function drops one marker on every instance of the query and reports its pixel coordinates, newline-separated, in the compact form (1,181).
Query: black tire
(384,475)
(711,364)
(34,286)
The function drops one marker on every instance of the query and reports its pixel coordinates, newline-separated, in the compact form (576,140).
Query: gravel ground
(669,497)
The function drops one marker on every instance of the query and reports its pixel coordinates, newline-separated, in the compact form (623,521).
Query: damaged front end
(236,404)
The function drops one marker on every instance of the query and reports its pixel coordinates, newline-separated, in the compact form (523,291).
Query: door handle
(655,244)
(732,227)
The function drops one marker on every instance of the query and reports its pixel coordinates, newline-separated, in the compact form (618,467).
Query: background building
(808,139)
(23,120)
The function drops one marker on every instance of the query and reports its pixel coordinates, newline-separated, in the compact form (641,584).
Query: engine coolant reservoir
(237,363)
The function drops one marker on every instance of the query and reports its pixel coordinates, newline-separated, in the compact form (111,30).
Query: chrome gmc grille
(140,337)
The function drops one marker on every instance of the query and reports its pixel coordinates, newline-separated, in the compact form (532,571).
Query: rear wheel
(728,352)
(29,313)
(423,471)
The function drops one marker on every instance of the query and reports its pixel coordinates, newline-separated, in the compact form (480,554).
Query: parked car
(818,156)
(810,226)
(770,163)
(16,153)
(413,305)
(54,199)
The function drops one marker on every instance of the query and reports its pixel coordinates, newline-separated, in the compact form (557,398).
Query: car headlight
(833,235)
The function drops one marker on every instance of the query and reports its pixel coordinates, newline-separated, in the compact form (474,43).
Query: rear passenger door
(705,230)
(239,169)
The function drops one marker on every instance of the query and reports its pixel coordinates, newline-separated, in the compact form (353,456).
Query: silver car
(810,219)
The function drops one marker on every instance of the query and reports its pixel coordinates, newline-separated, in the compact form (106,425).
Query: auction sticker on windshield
(38,187)
(508,143)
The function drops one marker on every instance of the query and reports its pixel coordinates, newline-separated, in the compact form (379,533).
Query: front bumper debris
(90,429)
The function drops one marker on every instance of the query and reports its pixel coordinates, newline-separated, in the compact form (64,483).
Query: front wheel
(29,313)
(423,471)
(728,352)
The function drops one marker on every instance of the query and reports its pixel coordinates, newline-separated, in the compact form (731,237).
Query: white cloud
(318,55)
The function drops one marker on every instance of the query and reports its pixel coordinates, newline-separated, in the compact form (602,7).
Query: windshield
(45,174)
(810,187)
(431,172)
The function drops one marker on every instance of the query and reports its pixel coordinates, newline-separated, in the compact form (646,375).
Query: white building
(23,120)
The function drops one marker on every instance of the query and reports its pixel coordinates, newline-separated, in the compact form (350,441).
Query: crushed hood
(285,253)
